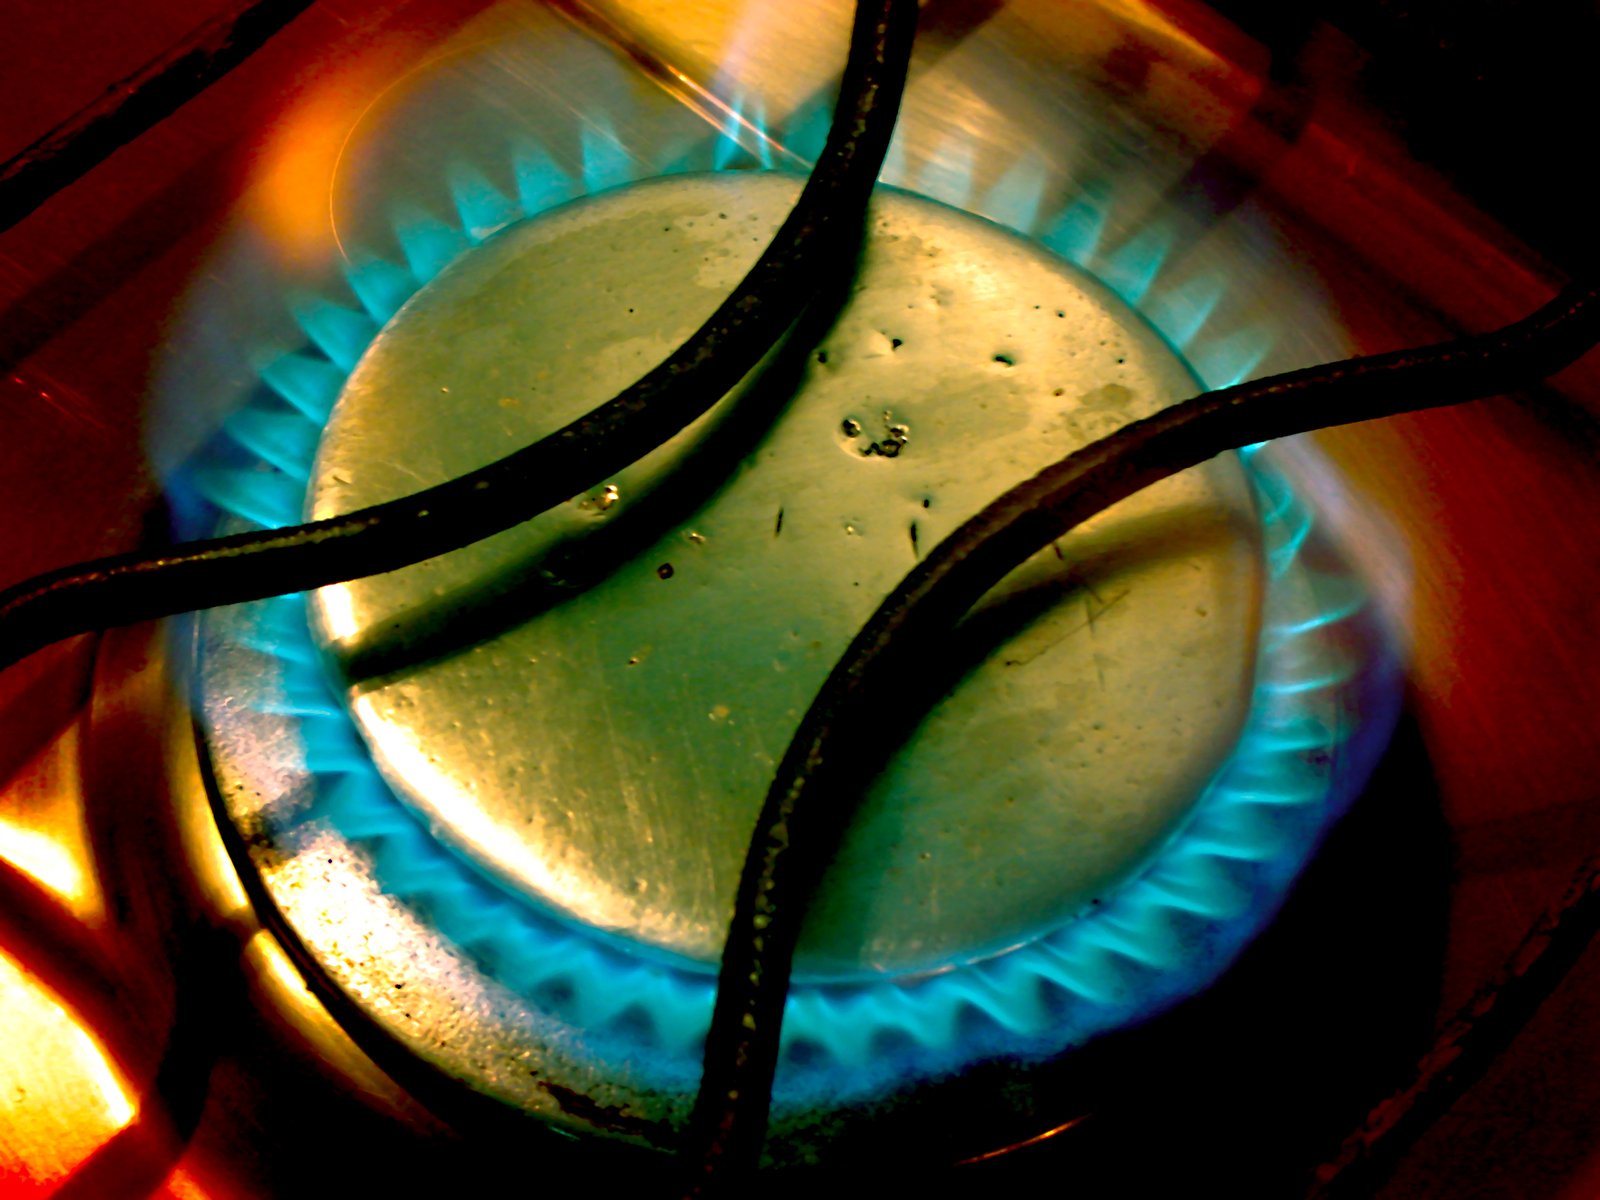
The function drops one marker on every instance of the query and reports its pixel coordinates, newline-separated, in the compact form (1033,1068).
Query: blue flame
(731,151)
(285,439)
(1015,200)
(1159,937)
(340,333)
(805,131)
(481,207)
(380,286)
(541,184)
(1223,362)
(1181,311)
(251,494)
(1132,268)
(1076,231)
(311,385)
(428,243)
(606,161)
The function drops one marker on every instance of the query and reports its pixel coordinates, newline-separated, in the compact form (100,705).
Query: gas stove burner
(1249,188)
(510,832)
(590,706)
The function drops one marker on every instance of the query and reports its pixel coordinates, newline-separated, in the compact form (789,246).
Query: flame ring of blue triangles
(1157,939)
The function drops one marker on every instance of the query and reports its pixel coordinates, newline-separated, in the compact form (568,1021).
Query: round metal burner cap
(590,707)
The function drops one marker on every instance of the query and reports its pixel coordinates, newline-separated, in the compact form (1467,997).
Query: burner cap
(590,707)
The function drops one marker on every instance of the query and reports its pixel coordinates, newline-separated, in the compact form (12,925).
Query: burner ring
(311,798)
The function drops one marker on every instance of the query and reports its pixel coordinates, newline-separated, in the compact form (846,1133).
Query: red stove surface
(141,1060)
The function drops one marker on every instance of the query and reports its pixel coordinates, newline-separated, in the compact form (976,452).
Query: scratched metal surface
(1496,506)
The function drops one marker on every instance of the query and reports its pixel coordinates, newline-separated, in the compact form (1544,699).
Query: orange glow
(1173,38)
(294,183)
(1035,1140)
(46,860)
(182,1186)
(60,1095)
(42,829)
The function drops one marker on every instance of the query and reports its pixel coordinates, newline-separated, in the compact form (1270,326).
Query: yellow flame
(181,1185)
(117,1105)
(43,833)
(61,1095)
(44,859)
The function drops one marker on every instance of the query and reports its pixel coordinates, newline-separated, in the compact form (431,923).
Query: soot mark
(777,525)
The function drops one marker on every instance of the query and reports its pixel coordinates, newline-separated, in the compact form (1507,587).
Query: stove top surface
(96,921)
